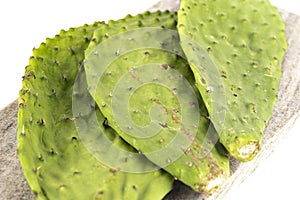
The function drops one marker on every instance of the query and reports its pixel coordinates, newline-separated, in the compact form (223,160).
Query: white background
(25,24)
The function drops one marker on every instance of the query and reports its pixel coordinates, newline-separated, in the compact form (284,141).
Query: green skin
(246,42)
(203,174)
(56,164)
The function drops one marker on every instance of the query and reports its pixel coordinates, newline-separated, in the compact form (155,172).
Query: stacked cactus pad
(121,110)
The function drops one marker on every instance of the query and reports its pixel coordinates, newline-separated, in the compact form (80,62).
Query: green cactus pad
(139,78)
(245,41)
(56,163)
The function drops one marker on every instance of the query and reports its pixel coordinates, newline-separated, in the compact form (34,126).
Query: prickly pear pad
(148,83)
(56,163)
(246,42)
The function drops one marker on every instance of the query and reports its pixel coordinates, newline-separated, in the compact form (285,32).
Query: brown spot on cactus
(145,93)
